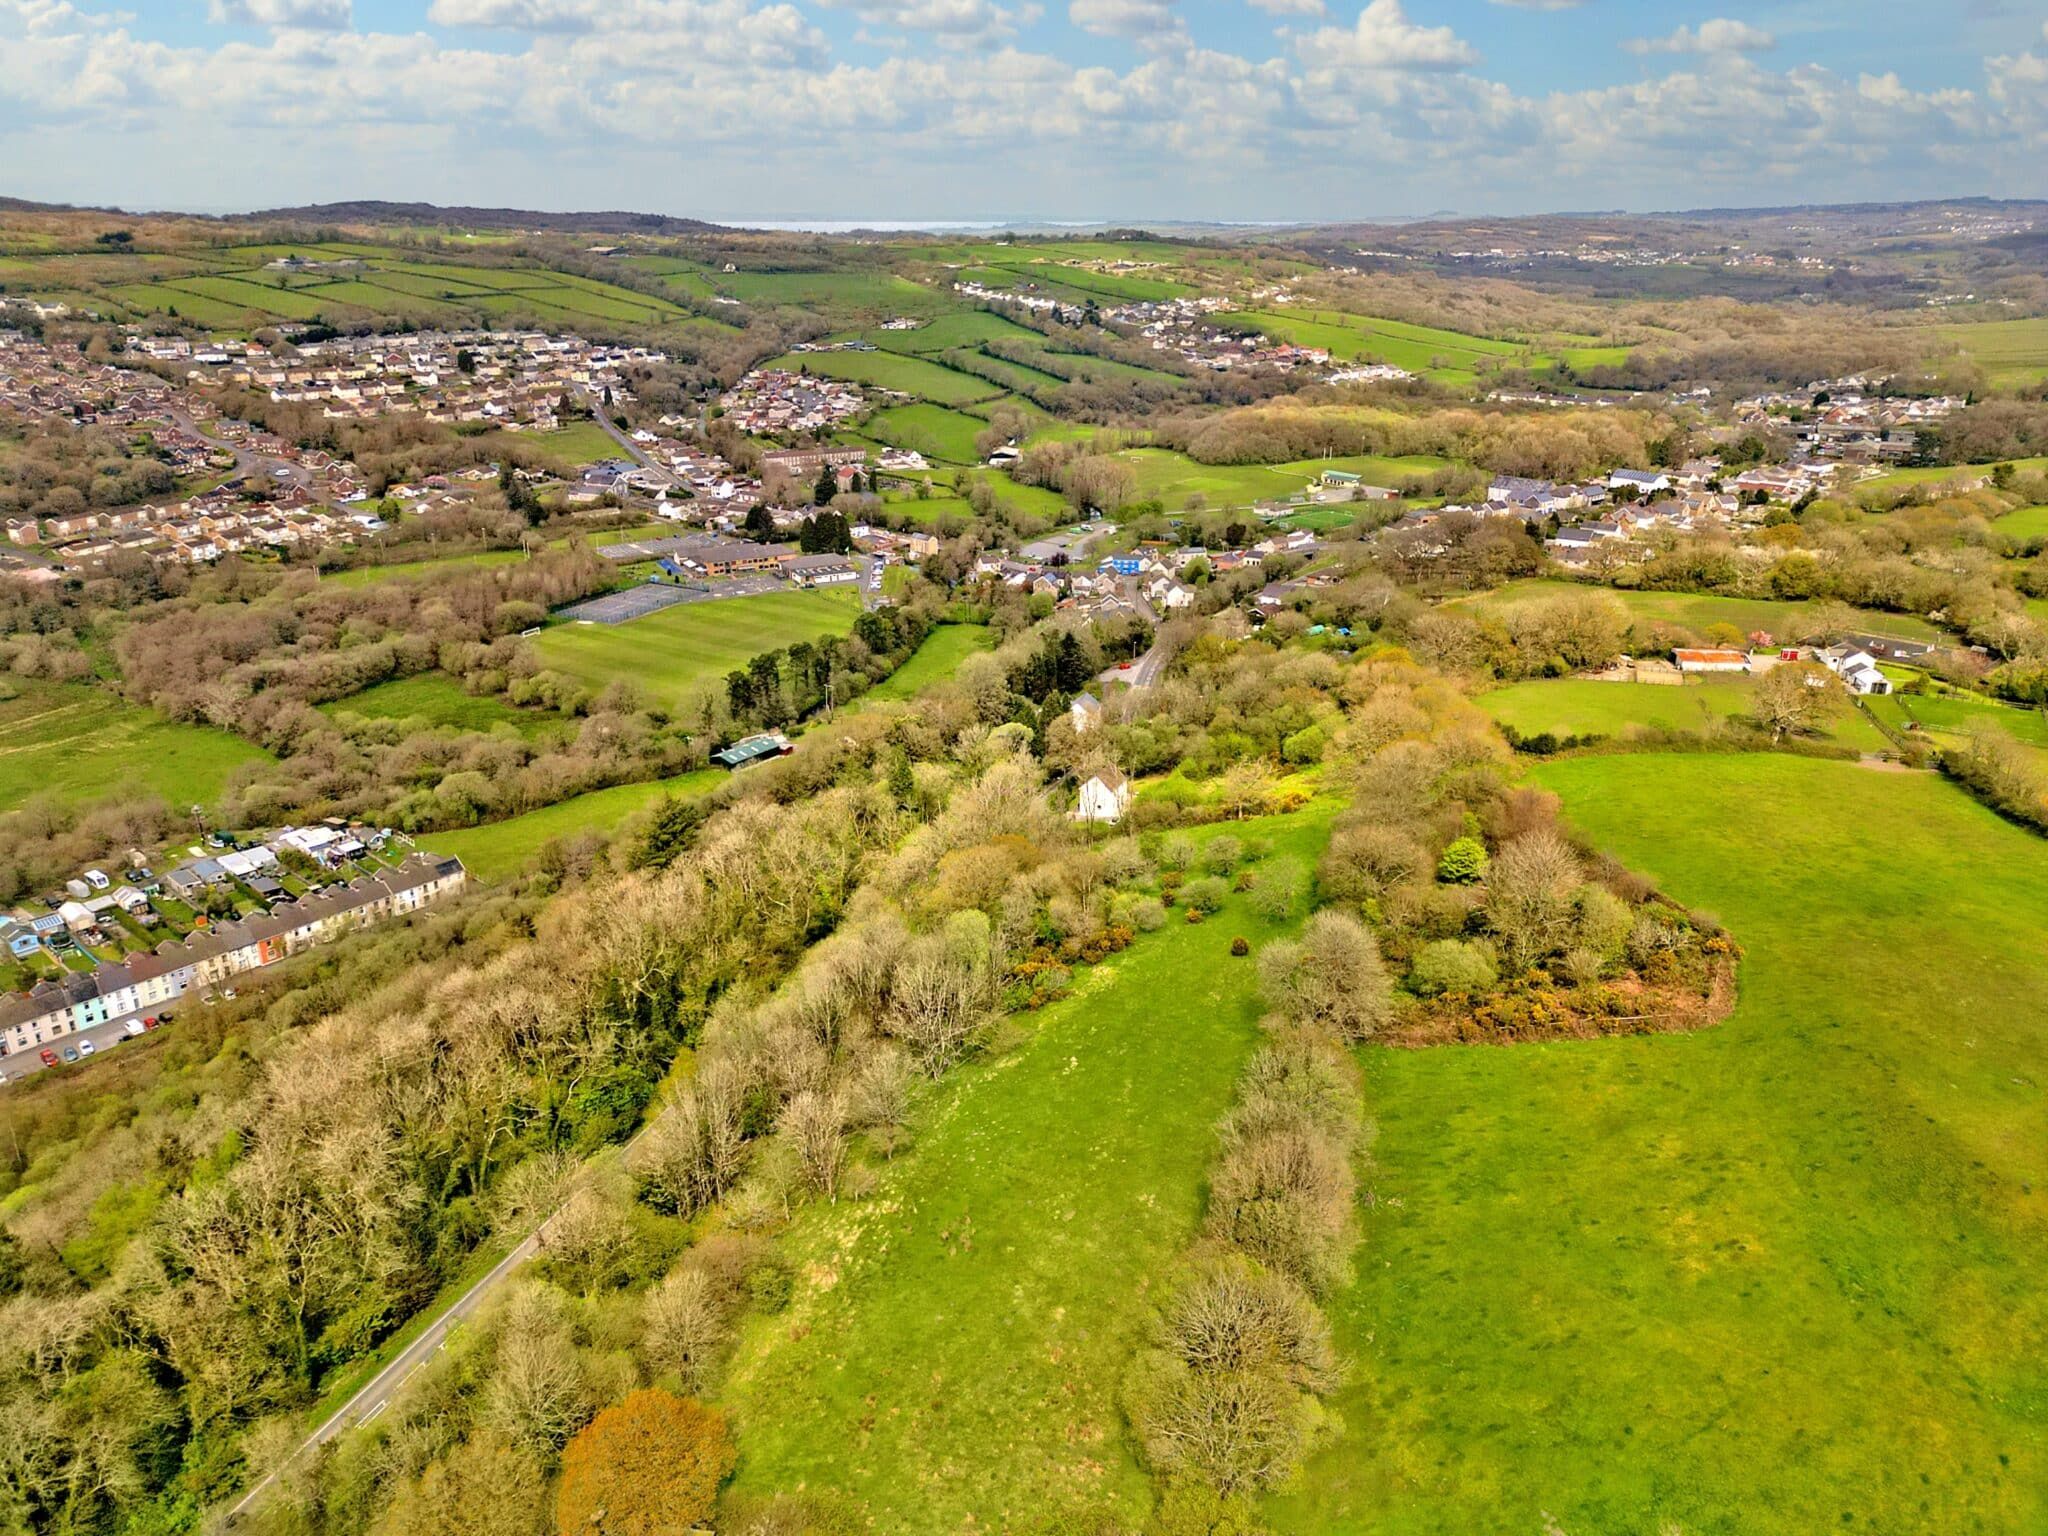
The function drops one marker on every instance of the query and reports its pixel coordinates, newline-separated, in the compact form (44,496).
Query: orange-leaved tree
(649,1465)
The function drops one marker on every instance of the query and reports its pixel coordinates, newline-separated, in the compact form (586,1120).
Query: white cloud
(1541,5)
(959,23)
(1385,39)
(1288,7)
(1721,35)
(1151,22)
(740,106)
(321,14)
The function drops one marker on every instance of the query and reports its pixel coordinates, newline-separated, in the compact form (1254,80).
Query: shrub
(1240,947)
(1149,915)
(1463,862)
(1205,895)
(1332,980)
(1450,965)
(650,1465)
(1529,896)
(1366,860)
(1603,921)
(1278,890)
(1222,854)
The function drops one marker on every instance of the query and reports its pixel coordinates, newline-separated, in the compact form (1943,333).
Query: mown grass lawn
(78,743)
(502,849)
(1781,1275)
(954,1349)
(1577,706)
(670,654)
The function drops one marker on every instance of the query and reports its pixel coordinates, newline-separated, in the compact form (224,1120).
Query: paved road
(633,450)
(1142,673)
(104,1037)
(372,1399)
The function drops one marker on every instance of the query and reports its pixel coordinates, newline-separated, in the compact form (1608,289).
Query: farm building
(1712,661)
(753,749)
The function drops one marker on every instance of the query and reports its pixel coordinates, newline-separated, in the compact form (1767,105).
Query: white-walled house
(1105,797)
(1085,712)
(1858,671)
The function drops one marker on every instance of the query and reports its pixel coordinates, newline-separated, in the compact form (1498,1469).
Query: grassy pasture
(1578,706)
(502,849)
(1779,1275)
(959,330)
(435,698)
(935,661)
(892,371)
(931,430)
(1173,477)
(1948,718)
(2026,523)
(80,743)
(2010,352)
(879,293)
(1697,611)
(953,1351)
(671,654)
(1451,356)
(364,575)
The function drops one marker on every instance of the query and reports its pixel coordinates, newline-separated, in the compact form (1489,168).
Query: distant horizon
(891,225)
(1227,112)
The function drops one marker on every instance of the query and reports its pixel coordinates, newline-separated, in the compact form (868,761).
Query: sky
(1237,111)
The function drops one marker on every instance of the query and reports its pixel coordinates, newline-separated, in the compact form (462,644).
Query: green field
(879,293)
(1172,477)
(80,743)
(932,430)
(435,698)
(1577,706)
(2026,523)
(229,288)
(952,1355)
(1781,1275)
(671,654)
(1450,356)
(1948,718)
(892,371)
(958,330)
(2009,351)
(503,849)
(363,575)
(935,661)
(1697,611)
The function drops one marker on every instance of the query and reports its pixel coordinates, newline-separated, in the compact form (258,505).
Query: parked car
(135,1026)
(86,1047)
(164,1017)
(49,1058)
(227,992)
(70,1054)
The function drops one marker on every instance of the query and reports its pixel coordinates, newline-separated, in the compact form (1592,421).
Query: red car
(49,1058)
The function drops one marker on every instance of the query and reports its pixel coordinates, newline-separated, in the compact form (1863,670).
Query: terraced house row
(213,955)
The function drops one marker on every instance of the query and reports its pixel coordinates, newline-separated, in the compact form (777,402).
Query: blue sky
(984,109)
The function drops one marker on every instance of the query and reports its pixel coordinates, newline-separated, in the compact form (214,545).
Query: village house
(1104,798)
